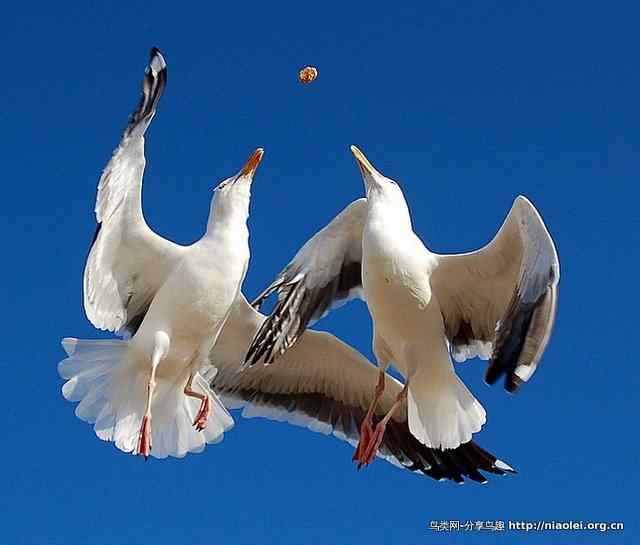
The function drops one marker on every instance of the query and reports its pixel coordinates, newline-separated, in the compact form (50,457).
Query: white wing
(326,386)
(325,273)
(127,262)
(500,301)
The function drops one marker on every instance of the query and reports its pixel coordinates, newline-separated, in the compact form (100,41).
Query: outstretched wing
(326,386)
(127,262)
(500,301)
(325,273)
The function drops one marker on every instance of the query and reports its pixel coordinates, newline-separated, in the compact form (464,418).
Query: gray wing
(127,262)
(325,273)
(326,386)
(500,302)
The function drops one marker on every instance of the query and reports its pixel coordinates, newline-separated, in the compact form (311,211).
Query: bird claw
(144,440)
(374,444)
(366,431)
(202,418)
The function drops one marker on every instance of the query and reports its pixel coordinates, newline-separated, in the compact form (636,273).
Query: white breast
(395,279)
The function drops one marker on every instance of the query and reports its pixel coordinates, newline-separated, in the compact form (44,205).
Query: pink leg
(160,350)
(144,439)
(202,418)
(378,434)
(366,429)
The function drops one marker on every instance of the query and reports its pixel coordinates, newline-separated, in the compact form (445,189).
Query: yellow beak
(365,166)
(252,164)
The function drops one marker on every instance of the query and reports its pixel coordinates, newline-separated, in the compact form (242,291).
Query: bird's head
(231,196)
(240,182)
(236,190)
(377,186)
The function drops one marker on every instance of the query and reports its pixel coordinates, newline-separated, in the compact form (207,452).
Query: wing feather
(324,274)
(500,302)
(127,262)
(326,386)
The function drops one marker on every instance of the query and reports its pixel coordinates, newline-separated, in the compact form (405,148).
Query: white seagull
(498,303)
(172,299)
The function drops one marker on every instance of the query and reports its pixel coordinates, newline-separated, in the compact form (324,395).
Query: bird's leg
(366,428)
(160,350)
(202,417)
(378,434)
(144,439)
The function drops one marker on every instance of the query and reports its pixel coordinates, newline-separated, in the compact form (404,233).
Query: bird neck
(388,207)
(228,211)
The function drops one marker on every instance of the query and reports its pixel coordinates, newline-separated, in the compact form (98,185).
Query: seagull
(498,303)
(170,300)
(189,327)
(326,386)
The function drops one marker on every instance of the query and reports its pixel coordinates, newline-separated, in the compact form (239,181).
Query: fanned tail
(110,384)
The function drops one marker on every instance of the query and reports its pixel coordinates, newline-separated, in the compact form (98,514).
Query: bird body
(393,279)
(193,303)
(196,297)
(396,270)
(498,303)
(172,300)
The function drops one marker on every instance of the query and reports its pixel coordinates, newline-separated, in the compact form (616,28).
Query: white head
(380,189)
(231,197)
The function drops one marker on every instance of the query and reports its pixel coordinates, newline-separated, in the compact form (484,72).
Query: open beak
(366,167)
(252,164)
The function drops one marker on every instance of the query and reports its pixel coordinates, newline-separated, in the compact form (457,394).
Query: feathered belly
(399,300)
(192,327)
(192,307)
(202,313)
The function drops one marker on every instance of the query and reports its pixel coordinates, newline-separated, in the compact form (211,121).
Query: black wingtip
(512,383)
(493,373)
(156,60)
(153,84)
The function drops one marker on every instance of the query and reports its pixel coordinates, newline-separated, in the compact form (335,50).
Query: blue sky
(465,105)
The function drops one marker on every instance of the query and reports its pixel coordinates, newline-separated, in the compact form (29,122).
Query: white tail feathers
(111,386)
(442,412)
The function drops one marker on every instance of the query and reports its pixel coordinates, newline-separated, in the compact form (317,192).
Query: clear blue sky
(466,106)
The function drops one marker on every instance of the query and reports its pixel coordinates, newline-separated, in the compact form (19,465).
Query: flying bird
(498,303)
(187,341)
(172,300)
(326,386)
